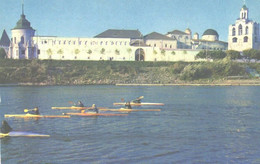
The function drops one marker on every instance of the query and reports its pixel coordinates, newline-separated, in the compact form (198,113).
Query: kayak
(95,114)
(75,108)
(23,134)
(35,116)
(138,104)
(70,107)
(130,110)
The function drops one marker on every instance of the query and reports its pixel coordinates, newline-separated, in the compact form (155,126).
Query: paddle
(27,110)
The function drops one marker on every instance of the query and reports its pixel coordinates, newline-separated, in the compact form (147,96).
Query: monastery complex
(129,45)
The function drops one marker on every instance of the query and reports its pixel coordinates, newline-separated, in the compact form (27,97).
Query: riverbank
(49,72)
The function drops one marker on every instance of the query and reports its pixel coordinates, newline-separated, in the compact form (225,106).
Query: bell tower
(244,12)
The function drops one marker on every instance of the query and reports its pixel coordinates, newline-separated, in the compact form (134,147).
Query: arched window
(246,30)
(233,31)
(234,40)
(240,30)
(86,42)
(246,39)
(22,40)
(14,40)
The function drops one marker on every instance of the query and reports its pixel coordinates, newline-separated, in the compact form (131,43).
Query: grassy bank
(51,72)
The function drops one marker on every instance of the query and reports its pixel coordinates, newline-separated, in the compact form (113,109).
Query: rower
(34,111)
(94,108)
(128,105)
(79,104)
(5,128)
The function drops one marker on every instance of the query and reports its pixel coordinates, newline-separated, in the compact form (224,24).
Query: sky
(88,18)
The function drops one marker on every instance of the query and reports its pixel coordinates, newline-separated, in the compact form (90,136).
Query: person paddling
(94,108)
(79,104)
(5,128)
(128,105)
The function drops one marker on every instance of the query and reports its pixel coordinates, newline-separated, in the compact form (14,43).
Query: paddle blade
(70,102)
(141,97)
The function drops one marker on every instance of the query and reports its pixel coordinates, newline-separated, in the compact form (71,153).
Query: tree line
(248,55)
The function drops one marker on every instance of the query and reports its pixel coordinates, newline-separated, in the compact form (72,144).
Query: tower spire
(23,7)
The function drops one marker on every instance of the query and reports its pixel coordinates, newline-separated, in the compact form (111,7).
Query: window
(246,39)
(101,43)
(86,42)
(166,45)
(64,42)
(256,39)
(234,40)
(23,52)
(233,31)
(246,30)
(154,45)
(79,42)
(38,52)
(22,40)
(14,40)
(240,30)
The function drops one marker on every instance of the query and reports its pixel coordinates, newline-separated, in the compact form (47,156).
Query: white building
(245,33)
(112,44)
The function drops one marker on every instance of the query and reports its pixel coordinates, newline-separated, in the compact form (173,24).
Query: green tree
(154,52)
(173,53)
(89,51)
(117,52)
(77,51)
(233,55)
(49,52)
(102,51)
(163,52)
(60,52)
(129,50)
(2,53)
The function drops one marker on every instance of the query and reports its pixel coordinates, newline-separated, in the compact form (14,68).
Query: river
(197,124)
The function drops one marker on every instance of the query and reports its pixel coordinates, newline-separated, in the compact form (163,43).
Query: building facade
(245,33)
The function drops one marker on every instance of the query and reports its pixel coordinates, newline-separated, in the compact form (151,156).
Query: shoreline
(227,83)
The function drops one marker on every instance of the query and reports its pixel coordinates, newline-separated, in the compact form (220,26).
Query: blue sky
(87,18)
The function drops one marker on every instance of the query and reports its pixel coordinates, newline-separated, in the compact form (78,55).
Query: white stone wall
(59,48)
(163,44)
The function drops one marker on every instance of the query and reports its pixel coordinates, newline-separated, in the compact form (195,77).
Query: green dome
(210,32)
(244,7)
(23,23)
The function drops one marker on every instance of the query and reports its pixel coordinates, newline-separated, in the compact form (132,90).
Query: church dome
(210,35)
(210,32)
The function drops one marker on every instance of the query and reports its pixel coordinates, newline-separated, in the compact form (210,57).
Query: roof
(5,41)
(23,23)
(177,32)
(210,32)
(114,33)
(157,36)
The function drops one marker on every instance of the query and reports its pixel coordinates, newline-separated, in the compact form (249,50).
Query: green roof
(210,32)
(23,23)
(244,7)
